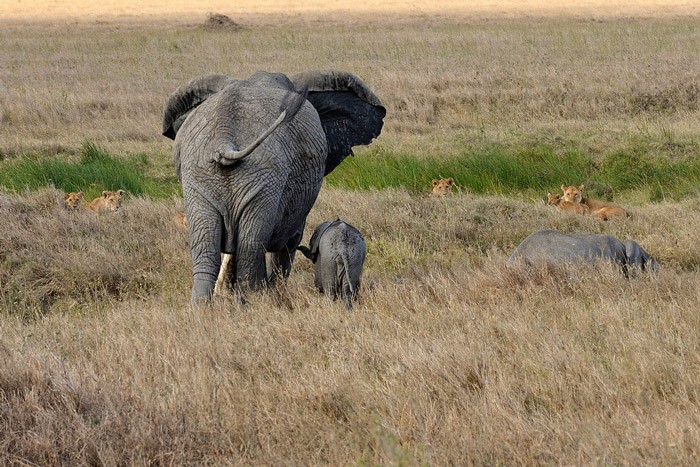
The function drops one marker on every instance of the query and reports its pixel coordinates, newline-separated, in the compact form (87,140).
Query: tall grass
(448,358)
(536,169)
(95,171)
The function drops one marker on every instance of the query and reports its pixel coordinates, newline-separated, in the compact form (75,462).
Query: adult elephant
(251,155)
(549,247)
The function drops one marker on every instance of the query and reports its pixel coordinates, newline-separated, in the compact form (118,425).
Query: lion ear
(580,187)
(450,181)
(105,194)
(435,182)
(81,194)
(121,192)
(563,188)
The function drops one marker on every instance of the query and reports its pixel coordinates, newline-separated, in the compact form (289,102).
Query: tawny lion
(600,209)
(109,201)
(442,187)
(566,206)
(180,221)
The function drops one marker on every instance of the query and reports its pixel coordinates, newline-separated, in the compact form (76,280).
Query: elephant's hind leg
(251,273)
(205,228)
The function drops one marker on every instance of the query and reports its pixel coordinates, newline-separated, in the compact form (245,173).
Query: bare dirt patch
(217,21)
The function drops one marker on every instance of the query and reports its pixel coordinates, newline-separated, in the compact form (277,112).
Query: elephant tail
(347,288)
(291,104)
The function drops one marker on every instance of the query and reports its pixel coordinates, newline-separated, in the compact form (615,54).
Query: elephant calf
(549,247)
(338,251)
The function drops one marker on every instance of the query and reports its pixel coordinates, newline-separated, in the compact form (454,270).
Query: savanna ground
(449,357)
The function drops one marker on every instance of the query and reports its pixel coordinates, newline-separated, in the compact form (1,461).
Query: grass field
(449,356)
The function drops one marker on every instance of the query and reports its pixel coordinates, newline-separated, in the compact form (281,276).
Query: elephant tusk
(231,156)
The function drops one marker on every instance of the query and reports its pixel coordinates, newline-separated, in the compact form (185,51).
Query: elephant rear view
(338,250)
(251,156)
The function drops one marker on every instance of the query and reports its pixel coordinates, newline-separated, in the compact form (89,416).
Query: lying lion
(109,201)
(566,206)
(600,209)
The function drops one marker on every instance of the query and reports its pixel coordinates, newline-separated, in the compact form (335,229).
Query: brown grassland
(449,357)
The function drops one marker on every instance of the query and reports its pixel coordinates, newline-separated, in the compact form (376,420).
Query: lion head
(109,201)
(572,194)
(72,200)
(442,187)
(113,199)
(553,200)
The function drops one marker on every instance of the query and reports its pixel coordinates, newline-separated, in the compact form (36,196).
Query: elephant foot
(202,289)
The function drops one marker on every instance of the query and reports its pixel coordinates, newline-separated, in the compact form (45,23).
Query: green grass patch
(536,169)
(491,170)
(95,171)
(662,177)
(642,170)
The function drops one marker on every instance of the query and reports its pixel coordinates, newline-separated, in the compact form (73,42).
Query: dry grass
(449,83)
(449,357)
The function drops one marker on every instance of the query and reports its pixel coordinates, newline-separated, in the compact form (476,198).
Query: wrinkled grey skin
(638,259)
(251,155)
(338,250)
(549,247)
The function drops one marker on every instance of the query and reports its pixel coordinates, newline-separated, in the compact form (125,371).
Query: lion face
(572,194)
(442,187)
(72,200)
(553,200)
(112,200)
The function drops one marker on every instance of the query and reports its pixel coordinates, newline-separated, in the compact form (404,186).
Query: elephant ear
(188,97)
(316,239)
(351,114)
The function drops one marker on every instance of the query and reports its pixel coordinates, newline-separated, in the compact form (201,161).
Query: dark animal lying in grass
(549,247)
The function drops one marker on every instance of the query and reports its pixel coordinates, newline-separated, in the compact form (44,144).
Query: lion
(73,200)
(180,220)
(566,206)
(109,201)
(599,209)
(442,187)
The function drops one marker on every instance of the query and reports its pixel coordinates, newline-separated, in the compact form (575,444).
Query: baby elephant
(338,250)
